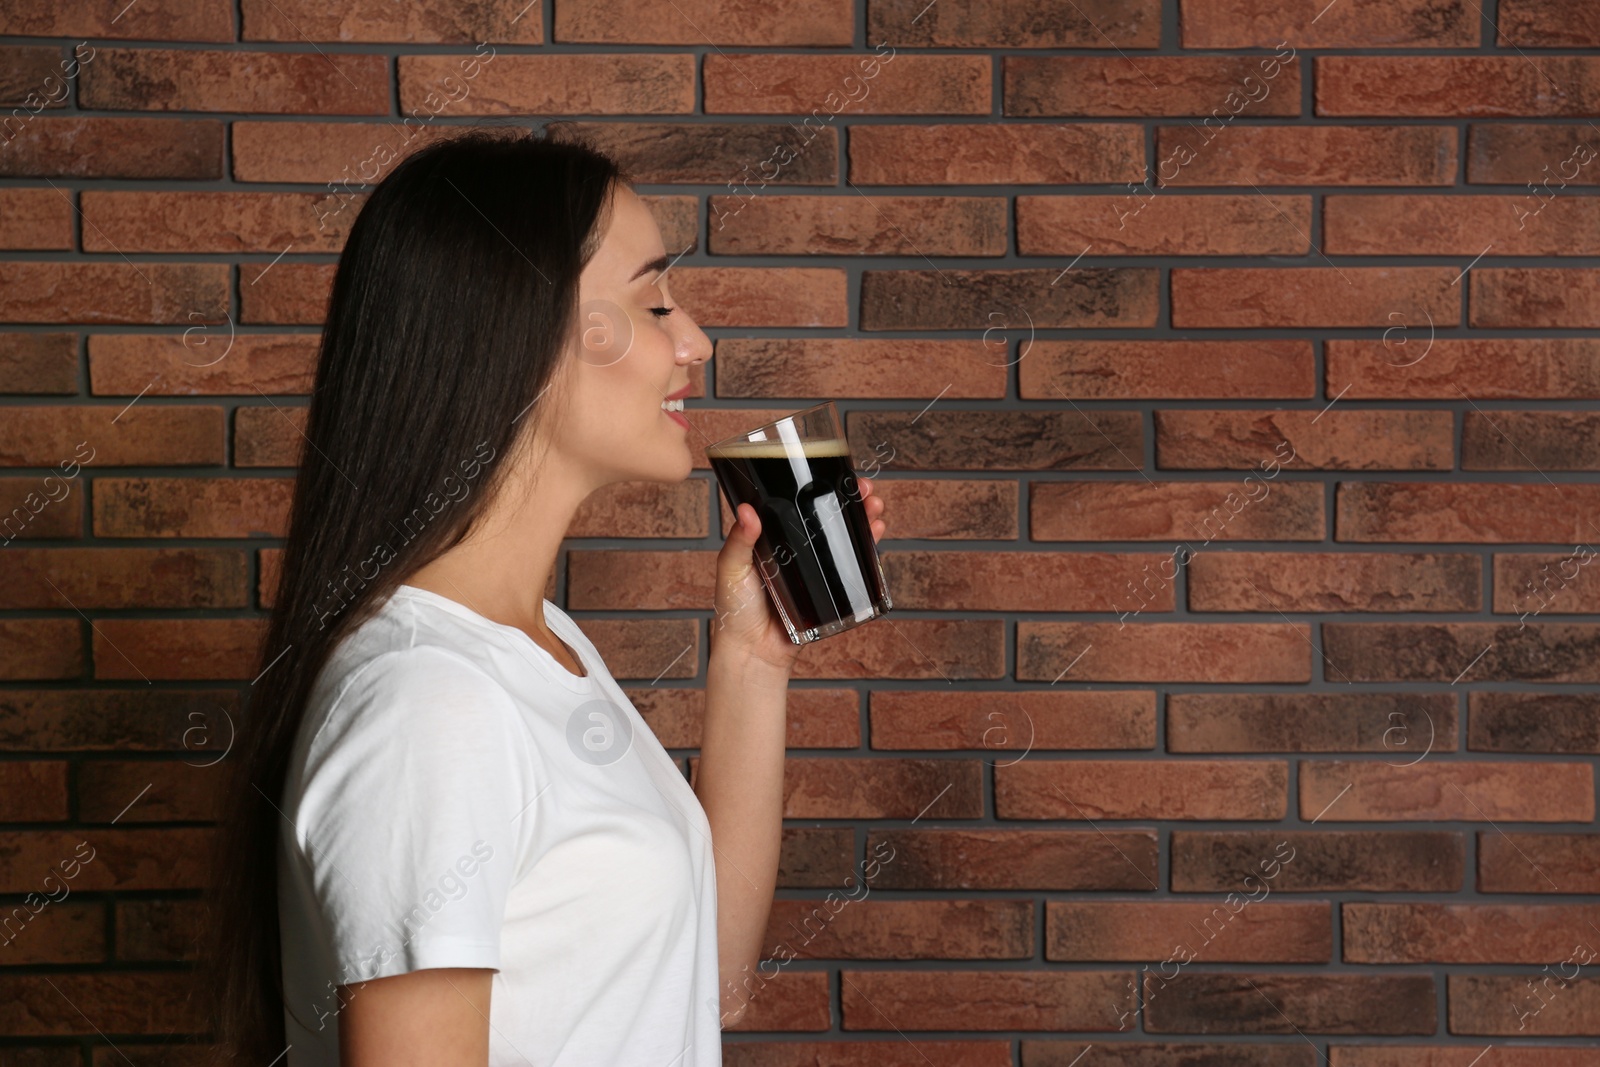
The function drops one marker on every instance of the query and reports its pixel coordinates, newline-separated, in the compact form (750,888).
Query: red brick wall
(1298,293)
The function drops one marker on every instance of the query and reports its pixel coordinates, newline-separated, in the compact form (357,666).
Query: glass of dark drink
(815,554)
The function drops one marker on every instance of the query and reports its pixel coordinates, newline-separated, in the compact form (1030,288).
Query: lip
(681,393)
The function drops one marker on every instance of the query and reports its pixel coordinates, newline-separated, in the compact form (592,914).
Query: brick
(285,293)
(63,932)
(1264,24)
(1040,86)
(1550,155)
(1109,932)
(845,1053)
(911,648)
(208,222)
(197,723)
(1145,224)
(817,22)
(349,155)
(1310,155)
(1564,723)
(1017,24)
(33,219)
(117,436)
(35,76)
(610,83)
(71,146)
(40,649)
(1013,999)
(1175,1055)
(839,788)
(1117,859)
(1461,933)
(803,1004)
(1512,225)
(1278,1003)
(1157,652)
(1426,368)
(888,83)
(1012,300)
(815,718)
(167,930)
(1319,861)
(1334,581)
(192,507)
(678,218)
(764,296)
(202,363)
(147,791)
(810,857)
(1476,512)
(601,580)
(1547,24)
(1341,439)
(1535,296)
(1529,440)
(667,152)
(1515,1005)
(1365,791)
(510,21)
(33,791)
(121,859)
(1142,511)
(122,578)
(1142,789)
(1313,296)
(43,507)
(997,440)
(145,293)
(1016,581)
(996,154)
(1255,368)
(1457,1056)
(646,648)
(1020,722)
(176,649)
(45,363)
(1538,862)
(1458,86)
(268,435)
(196,20)
(161,79)
(858,225)
(843,367)
(901,930)
(1482,652)
(1404,725)
(150,1002)
(644,509)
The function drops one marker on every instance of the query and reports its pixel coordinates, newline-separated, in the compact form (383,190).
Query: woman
(451,839)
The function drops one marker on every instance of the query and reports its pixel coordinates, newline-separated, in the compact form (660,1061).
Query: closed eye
(661,312)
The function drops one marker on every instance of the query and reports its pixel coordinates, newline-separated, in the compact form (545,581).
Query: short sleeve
(414,810)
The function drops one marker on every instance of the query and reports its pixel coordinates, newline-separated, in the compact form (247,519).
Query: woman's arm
(740,785)
(438,1016)
(740,776)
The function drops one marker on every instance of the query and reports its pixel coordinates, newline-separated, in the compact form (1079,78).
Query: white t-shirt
(457,798)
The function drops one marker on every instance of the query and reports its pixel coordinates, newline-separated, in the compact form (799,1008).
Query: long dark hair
(452,304)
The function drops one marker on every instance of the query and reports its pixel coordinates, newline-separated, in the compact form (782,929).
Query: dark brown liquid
(815,551)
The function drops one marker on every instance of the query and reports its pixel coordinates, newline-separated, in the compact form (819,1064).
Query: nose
(695,348)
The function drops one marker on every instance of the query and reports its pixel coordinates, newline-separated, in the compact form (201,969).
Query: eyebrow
(659,263)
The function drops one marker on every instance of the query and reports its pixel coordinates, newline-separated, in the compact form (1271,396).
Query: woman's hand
(746,621)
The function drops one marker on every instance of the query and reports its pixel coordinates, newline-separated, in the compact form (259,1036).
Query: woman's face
(632,351)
